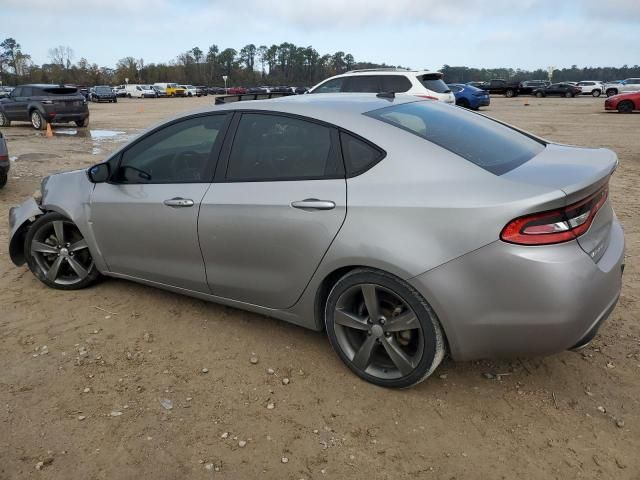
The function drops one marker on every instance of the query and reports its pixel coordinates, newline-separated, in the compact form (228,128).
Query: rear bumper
(507,300)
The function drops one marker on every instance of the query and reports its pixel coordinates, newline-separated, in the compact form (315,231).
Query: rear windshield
(60,90)
(434,83)
(480,140)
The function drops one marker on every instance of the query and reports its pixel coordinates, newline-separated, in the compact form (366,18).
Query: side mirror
(99,173)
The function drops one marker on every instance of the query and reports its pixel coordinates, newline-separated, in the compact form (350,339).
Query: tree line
(284,64)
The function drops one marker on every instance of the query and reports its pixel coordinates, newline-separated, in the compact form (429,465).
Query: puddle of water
(96,151)
(34,157)
(101,134)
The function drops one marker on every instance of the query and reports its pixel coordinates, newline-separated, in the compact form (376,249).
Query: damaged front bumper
(20,218)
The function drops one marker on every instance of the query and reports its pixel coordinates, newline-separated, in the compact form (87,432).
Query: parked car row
(542,88)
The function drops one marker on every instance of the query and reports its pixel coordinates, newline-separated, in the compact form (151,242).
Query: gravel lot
(93,403)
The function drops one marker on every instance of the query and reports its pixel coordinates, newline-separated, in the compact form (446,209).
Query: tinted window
(434,83)
(61,90)
(178,153)
(359,156)
(362,83)
(484,142)
(272,147)
(17,92)
(456,88)
(27,92)
(395,83)
(331,86)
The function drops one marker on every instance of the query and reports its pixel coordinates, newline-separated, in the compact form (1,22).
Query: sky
(525,34)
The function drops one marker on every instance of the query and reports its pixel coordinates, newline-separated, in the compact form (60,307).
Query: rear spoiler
(250,96)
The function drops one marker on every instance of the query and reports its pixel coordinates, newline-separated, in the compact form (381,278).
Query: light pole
(224,77)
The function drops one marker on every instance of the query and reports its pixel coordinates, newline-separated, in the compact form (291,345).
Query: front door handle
(179,202)
(314,204)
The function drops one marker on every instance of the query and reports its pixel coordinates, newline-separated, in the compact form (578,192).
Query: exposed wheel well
(323,292)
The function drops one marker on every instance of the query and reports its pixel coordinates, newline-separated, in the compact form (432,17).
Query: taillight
(427,96)
(555,226)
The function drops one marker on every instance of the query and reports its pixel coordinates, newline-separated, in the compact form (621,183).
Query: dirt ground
(89,404)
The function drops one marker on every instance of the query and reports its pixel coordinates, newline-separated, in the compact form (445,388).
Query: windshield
(478,139)
(433,82)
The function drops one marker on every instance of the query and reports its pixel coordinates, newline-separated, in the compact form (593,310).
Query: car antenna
(386,95)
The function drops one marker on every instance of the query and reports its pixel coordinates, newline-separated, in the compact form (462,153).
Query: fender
(20,218)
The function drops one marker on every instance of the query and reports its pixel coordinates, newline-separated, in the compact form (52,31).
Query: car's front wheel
(383,329)
(568,94)
(611,92)
(539,94)
(37,120)
(58,255)
(596,93)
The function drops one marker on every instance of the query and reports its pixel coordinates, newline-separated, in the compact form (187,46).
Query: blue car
(468,96)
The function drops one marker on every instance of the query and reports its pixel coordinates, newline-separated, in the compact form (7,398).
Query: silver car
(408,229)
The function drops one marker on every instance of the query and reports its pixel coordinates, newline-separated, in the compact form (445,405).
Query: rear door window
(362,84)
(27,92)
(270,147)
(395,83)
(480,140)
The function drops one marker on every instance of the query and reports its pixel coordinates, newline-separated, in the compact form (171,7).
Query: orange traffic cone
(49,131)
(141,109)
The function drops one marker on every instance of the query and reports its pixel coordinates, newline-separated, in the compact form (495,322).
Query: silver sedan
(406,229)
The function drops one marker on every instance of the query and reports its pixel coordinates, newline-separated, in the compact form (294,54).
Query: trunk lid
(578,172)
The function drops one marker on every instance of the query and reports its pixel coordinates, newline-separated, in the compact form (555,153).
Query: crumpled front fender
(20,218)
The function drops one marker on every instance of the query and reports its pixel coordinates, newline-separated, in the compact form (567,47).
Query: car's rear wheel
(539,94)
(611,92)
(3,177)
(625,107)
(509,93)
(82,123)
(568,94)
(4,121)
(596,93)
(37,120)
(462,102)
(383,329)
(115,100)
(58,255)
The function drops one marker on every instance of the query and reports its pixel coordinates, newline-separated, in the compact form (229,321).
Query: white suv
(591,87)
(628,85)
(421,83)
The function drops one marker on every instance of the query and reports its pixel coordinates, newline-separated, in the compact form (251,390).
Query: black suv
(102,93)
(42,104)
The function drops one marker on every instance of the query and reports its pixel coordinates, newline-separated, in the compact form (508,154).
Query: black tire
(128,95)
(115,100)
(625,106)
(4,121)
(611,92)
(4,175)
(539,94)
(37,264)
(596,93)
(424,337)
(82,123)
(568,94)
(509,92)
(37,120)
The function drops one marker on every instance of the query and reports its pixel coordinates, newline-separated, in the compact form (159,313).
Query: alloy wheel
(36,120)
(61,253)
(378,331)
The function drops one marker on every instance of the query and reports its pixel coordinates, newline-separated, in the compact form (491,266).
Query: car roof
(374,71)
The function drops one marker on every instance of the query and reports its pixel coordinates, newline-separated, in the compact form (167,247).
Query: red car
(624,103)
(236,90)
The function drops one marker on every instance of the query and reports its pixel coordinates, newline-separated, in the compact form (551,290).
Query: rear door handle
(314,204)
(179,202)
